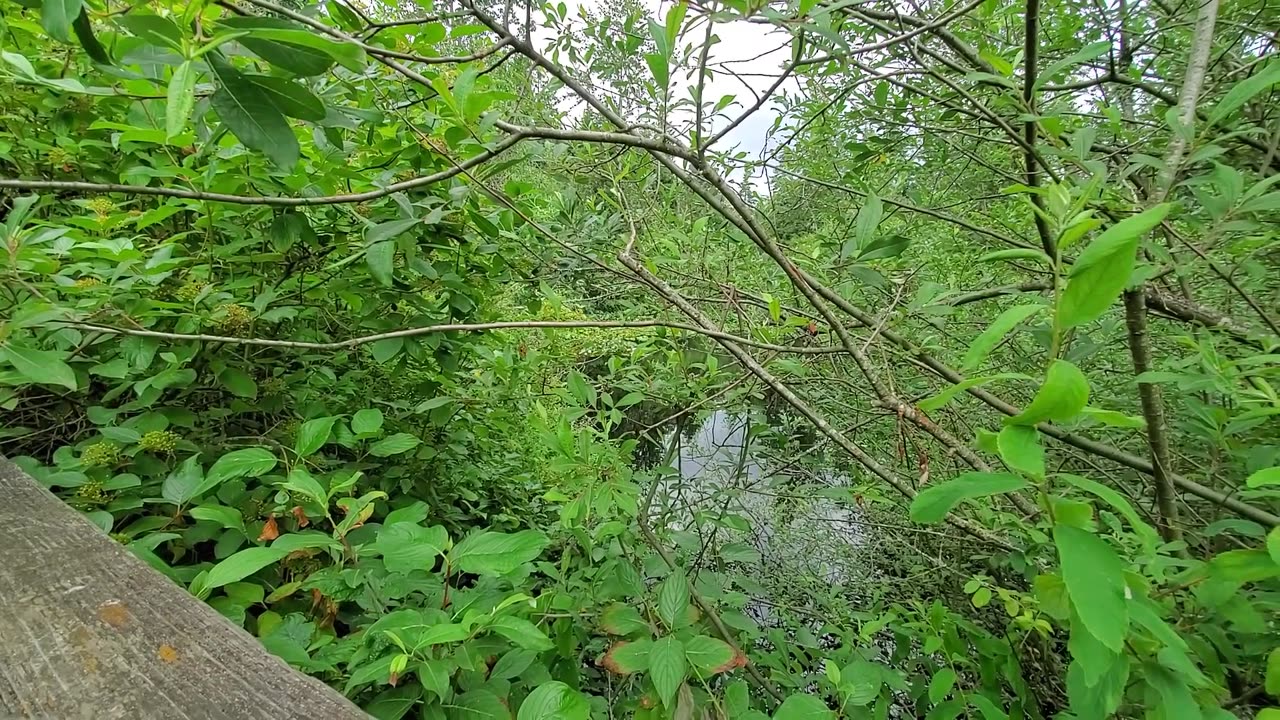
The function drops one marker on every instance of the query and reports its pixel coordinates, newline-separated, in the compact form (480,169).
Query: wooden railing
(87,630)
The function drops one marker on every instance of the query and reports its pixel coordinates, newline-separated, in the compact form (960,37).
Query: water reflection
(795,524)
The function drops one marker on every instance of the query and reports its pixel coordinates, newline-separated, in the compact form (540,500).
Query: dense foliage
(386,329)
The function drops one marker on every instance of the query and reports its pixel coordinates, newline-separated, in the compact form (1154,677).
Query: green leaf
(512,664)
(1017,254)
(1114,418)
(495,553)
(366,421)
(41,366)
(1262,478)
(673,600)
(406,547)
(1273,545)
(1021,450)
(1094,576)
(658,65)
(554,701)
(57,15)
(248,113)
(625,658)
(181,98)
(297,59)
(477,705)
(243,564)
(181,484)
(1062,396)
(238,382)
(933,503)
(348,55)
(83,29)
(739,552)
(940,400)
(227,517)
(312,435)
(521,632)
(803,707)
(1176,700)
(250,462)
(868,219)
(1243,91)
(301,481)
(394,445)
(288,96)
(1102,270)
(667,668)
(381,259)
(1088,52)
(1116,501)
(620,619)
(941,684)
(152,28)
(434,676)
(1272,682)
(708,654)
(995,332)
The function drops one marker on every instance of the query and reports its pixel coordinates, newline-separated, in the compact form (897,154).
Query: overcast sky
(740,43)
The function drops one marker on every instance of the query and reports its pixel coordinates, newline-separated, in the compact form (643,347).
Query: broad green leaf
(708,654)
(673,599)
(512,664)
(297,59)
(406,547)
(394,445)
(868,219)
(381,259)
(348,55)
(521,632)
(312,435)
(1094,576)
(1175,698)
(803,707)
(554,701)
(248,113)
(249,462)
(477,705)
(667,668)
(995,332)
(1262,478)
(181,98)
(288,96)
(57,15)
(83,29)
(1062,396)
(1273,545)
(238,382)
(366,421)
(1113,418)
(739,552)
(243,564)
(154,29)
(658,65)
(495,553)
(41,366)
(940,400)
(227,517)
(301,481)
(1243,91)
(941,684)
(1102,270)
(181,484)
(1021,450)
(620,619)
(1116,501)
(625,658)
(933,503)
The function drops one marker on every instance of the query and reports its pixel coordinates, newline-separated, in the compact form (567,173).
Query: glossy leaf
(933,503)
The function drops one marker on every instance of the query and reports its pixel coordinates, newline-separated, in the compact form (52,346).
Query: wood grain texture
(89,631)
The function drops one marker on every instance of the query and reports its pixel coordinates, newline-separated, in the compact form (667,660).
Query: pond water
(800,520)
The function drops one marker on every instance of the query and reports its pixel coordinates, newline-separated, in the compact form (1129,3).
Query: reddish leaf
(270,531)
(739,660)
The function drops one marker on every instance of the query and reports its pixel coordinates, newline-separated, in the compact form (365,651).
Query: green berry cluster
(90,495)
(101,206)
(159,441)
(58,156)
(189,291)
(87,282)
(101,454)
(236,319)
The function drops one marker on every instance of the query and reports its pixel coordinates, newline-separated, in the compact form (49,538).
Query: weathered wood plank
(89,631)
